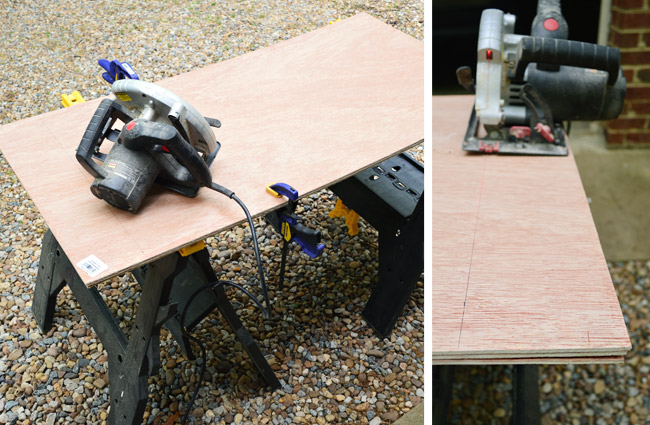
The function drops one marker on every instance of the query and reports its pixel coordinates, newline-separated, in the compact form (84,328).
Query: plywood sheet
(518,271)
(308,111)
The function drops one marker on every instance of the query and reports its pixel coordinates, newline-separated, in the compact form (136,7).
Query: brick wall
(630,32)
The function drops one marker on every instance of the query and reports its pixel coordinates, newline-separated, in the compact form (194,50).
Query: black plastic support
(132,360)
(443,379)
(129,371)
(401,262)
(196,274)
(525,395)
(225,307)
(48,283)
(390,197)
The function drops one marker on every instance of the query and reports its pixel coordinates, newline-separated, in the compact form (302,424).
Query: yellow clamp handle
(191,249)
(272,192)
(71,99)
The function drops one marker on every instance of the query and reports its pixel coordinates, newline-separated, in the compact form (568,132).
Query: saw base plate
(500,142)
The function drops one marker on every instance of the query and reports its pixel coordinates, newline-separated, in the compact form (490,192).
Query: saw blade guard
(155,103)
(495,25)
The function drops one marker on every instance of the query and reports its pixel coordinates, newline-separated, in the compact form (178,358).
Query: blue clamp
(116,70)
(282,189)
(288,224)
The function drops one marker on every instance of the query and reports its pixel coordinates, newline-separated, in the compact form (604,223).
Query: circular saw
(163,139)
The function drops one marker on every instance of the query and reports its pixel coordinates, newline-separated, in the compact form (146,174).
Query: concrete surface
(415,416)
(617,184)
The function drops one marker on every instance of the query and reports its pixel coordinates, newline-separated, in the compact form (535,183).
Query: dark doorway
(455,32)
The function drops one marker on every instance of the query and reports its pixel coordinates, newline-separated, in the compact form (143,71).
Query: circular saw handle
(141,133)
(570,53)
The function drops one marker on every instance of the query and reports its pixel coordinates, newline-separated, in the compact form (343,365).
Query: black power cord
(229,193)
(212,285)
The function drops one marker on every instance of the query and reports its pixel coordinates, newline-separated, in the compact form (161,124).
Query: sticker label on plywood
(92,265)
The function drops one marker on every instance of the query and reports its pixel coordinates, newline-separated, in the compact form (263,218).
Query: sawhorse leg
(194,277)
(47,285)
(390,196)
(229,313)
(401,261)
(130,361)
(443,379)
(525,395)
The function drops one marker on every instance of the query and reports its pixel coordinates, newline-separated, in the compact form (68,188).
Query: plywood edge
(614,351)
(531,360)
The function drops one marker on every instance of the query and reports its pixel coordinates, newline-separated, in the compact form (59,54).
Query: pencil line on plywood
(471,257)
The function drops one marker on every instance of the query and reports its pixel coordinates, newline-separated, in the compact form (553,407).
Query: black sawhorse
(165,286)
(390,197)
(525,394)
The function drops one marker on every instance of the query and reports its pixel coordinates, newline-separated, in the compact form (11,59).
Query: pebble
(15,355)
(50,419)
(390,416)
(66,370)
(376,353)
(169,376)
(79,332)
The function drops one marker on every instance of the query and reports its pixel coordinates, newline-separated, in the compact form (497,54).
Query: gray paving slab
(414,416)
(617,184)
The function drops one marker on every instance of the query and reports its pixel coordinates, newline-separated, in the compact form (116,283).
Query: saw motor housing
(163,140)
(527,85)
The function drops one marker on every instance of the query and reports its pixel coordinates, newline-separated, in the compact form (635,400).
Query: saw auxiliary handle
(527,85)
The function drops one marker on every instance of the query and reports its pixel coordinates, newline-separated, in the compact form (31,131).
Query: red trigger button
(130,125)
(551,24)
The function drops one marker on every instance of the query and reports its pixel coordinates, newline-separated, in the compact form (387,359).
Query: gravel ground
(574,394)
(334,369)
